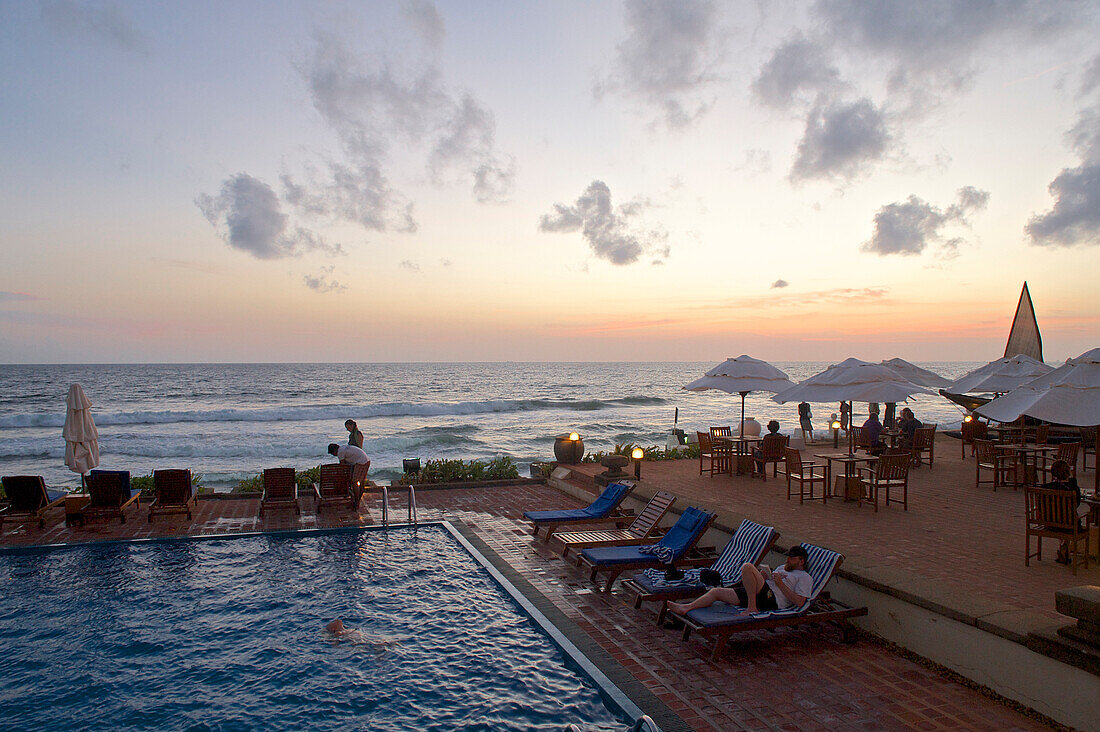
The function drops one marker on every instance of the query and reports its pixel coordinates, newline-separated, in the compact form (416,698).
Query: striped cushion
(746,545)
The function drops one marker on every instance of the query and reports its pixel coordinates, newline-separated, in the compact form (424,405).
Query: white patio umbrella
(915,374)
(742,375)
(850,381)
(81,435)
(1069,394)
(1002,375)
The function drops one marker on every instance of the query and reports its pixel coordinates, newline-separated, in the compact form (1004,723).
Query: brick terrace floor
(789,680)
(964,537)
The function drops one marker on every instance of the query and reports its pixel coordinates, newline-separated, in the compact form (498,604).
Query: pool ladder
(386,505)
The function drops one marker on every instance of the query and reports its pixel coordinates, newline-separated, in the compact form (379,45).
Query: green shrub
(255,484)
(306,478)
(460,471)
(144,483)
(653,452)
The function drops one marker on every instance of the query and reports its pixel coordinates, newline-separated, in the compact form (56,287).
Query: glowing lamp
(968,418)
(637,453)
(573,436)
(836,433)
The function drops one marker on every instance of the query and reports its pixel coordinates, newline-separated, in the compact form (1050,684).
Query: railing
(386,505)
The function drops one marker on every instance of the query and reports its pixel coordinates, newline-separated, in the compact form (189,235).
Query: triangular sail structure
(1024,337)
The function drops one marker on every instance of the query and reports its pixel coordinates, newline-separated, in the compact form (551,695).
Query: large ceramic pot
(568,452)
(751,428)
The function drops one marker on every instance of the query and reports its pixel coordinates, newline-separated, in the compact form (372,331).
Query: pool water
(228,634)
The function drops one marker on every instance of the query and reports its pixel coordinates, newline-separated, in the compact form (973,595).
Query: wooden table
(1029,478)
(75,503)
(892,435)
(1094,517)
(853,486)
(742,450)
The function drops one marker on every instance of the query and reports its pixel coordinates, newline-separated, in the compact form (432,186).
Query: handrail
(645,723)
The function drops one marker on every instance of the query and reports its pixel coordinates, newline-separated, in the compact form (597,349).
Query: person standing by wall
(355,437)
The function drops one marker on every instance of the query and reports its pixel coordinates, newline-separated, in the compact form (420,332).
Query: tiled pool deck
(789,680)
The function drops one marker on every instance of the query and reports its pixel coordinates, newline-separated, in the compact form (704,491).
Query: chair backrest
(279,484)
(1068,451)
(335,479)
(749,543)
(794,460)
(704,441)
(606,502)
(721,432)
(855,436)
(987,450)
(923,437)
(105,488)
(1051,509)
(173,487)
(1042,434)
(126,489)
(894,466)
(652,514)
(974,430)
(26,493)
(821,564)
(773,445)
(686,531)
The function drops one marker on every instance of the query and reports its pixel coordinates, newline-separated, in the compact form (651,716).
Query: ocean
(229,421)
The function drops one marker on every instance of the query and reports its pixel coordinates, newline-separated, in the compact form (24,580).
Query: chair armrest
(133,499)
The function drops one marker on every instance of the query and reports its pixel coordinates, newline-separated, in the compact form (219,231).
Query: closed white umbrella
(1069,394)
(742,375)
(1002,375)
(81,435)
(849,381)
(915,374)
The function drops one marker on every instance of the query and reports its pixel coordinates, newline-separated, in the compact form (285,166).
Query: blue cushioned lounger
(604,508)
(750,543)
(680,539)
(722,621)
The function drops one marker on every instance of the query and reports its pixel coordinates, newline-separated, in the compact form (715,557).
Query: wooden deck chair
(924,441)
(1004,466)
(677,544)
(174,493)
(889,471)
(335,487)
(1052,514)
(280,490)
(29,499)
(642,531)
(803,472)
(109,495)
(750,543)
(720,621)
(973,430)
(604,509)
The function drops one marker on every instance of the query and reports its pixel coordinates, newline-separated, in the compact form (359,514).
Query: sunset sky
(326,181)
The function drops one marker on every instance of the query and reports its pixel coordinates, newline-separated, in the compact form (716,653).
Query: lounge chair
(644,529)
(109,495)
(280,490)
(29,499)
(174,492)
(335,487)
(721,620)
(677,544)
(750,543)
(605,508)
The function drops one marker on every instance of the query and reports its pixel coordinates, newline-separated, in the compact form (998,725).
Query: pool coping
(616,685)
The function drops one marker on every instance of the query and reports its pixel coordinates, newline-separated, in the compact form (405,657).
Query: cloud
(6,296)
(1074,220)
(105,23)
(1090,80)
(780,283)
(609,232)
(409,265)
(247,214)
(667,57)
(323,281)
(425,19)
(797,71)
(445,262)
(909,228)
(755,161)
(467,139)
(840,141)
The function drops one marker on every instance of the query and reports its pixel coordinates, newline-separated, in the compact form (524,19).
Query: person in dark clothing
(355,437)
(1061,479)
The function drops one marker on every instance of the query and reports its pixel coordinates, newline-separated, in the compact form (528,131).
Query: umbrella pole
(850,425)
(1096,467)
(741,429)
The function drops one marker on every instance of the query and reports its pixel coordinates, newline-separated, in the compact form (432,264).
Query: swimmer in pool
(338,630)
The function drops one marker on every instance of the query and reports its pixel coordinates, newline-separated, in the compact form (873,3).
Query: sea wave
(328,411)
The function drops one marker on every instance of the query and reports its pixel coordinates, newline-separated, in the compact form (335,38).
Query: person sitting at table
(908,425)
(758,453)
(1062,480)
(872,429)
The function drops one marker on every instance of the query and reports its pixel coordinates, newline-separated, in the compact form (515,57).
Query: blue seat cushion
(719,614)
(54,495)
(602,506)
(558,515)
(607,555)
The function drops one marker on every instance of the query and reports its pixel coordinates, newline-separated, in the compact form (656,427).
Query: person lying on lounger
(762,589)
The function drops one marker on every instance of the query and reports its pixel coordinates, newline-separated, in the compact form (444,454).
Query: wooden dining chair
(1000,464)
(1053,514)
(1066,451)
(721,431)
(891,470)
(973,430)
(1042,434)
(706,447)
(772,449)
(924,441)
(805,473)
(721,457)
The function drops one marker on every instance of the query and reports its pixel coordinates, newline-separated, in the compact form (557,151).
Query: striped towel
(664,554)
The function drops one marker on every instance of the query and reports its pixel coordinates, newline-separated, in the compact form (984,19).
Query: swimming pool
(228,634)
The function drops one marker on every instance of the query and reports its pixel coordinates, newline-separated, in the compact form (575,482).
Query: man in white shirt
(761,589)
(355,458)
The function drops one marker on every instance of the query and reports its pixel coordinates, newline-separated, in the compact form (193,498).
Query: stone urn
(750,428)
(567,451)
(615,465)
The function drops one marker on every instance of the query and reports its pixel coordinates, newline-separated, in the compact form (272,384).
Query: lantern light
(573,436)
(637,453)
